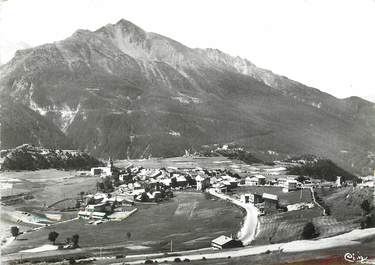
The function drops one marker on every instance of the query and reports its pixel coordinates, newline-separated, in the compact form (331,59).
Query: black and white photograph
(203,132)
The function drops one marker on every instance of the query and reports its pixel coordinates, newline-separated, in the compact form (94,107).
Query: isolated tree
(68,241)
(116,182)
(108,187)
(52,236)
(235,175)
(366,207)
(75,240)
(173,182)
(301,179)
(99,186)
(14,230)
(309,231)
(116,179)
(144,197)
(81,194)
(90,200)
(128,234)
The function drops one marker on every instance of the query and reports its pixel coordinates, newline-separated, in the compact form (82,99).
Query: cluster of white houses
(202,179)
(102,206)
(135,182)
(271,201)
(287,183)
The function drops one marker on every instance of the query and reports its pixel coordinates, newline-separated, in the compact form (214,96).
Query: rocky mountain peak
(126,28)
(125,92)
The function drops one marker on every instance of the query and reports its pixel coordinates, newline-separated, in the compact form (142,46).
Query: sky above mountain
(324,44)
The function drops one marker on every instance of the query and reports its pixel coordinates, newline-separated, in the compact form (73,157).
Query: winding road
(250,224)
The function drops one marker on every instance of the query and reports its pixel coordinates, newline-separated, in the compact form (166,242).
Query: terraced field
(345,203)
(329,226)
(283,227)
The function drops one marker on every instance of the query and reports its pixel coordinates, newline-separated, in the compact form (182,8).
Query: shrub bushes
(309,231)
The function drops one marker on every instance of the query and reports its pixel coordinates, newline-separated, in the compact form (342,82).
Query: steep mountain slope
(125,92)
(20,124)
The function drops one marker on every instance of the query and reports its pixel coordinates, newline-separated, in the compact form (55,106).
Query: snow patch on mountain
(36,108)
(67,116)
(185,99)
(174,133)
(316,105)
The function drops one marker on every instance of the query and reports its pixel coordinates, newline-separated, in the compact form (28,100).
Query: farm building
(338,181)
(251,181)
(95,207)
(282,182)
(91,215)
(180,181)
(202,182)
(232,181)
(220,187)
(271,201)
(255,180)
(225,242)
(103,171)
(156,173)
(251,198)
(290,185)
(166,181)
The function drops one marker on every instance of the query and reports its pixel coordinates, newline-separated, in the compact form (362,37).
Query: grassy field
(284,197)
(46,187)
(218,162)
(284,227)
(190,220)
(345,203)
(288,226)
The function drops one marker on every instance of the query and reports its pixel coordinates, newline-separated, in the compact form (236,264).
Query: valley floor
(191,220)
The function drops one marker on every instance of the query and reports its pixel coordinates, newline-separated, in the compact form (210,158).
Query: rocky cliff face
(20,124)
(125,92)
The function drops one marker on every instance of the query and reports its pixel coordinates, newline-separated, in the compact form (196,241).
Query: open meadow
(46,186)
(345,203)
(190,220)
(42,188)
(217,162)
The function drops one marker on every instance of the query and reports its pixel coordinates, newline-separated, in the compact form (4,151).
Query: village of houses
(259,202)
(119,190)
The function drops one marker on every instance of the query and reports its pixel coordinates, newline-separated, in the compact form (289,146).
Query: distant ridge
(28,157)
(128,93)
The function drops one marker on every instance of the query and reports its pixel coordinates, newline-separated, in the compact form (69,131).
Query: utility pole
(171,245)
